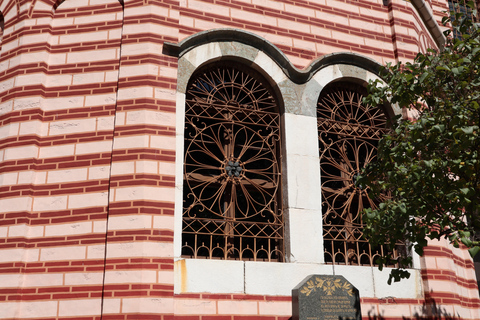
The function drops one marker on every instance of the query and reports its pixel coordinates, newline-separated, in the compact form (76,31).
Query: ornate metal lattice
(232,205)
(348,133)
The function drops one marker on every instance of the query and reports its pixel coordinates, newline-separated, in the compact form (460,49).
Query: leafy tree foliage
(430,166)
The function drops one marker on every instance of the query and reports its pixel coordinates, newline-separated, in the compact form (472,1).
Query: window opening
(232,174)
(458,6)
(348,132)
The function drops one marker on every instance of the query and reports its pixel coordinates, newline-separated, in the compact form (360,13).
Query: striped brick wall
(59,85)
(140,225)
(87,150)
(306,30)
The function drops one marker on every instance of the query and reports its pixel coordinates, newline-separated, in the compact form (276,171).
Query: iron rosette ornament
(232,172)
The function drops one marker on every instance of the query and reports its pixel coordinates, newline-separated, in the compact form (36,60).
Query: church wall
(89,149)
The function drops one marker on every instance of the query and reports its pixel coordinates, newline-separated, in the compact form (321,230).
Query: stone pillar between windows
(303,193)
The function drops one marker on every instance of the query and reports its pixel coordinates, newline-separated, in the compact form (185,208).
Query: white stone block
(23,230)
(140,141)
(407,288)
(140,249)
(105,123)
(21,152)
(42,280)
(166,277)
(80,307)
(73,4)
(213,276)
(131,276)
(34,127)
(69,175)
(3,232)
(6,85)
(67,229)
(16,204)
(83,278)
(150,117)
(111,305)
(163,222)
(100,99)
(8,178)
(144,193)
(303,186)
(9,130)
(91,56)
(270,67)
(167,167)
(195,306)
(328,74)
(42,6)
(275,308)
(305,249)
(28,309)
(11,280)
(162,142)
(62,103)
(99,226)
(361,277)
(83,37)
(135,92)
(242,307)
(6,107)
(147,305)
(139,70)
(16,255)
(50,203)
(96,252)
(99,172)
(146,166)
(165,94)
(123,167)
(72,126)
(97,199)
(203,53)
(88,77)
(125,222)
(57,151)
(63,253)
(301,135)
(278,279)
(35,177)
(93,147)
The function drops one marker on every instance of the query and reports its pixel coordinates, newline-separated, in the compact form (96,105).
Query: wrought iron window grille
(232,173)
(348,133)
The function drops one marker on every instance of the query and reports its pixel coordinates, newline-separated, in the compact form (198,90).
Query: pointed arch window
(348,132)
(232,207)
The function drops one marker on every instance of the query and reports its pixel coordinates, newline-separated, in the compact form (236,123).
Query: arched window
(348,132)
(232,207)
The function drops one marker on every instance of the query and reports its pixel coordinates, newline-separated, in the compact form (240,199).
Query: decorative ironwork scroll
(348,133)
(232,197)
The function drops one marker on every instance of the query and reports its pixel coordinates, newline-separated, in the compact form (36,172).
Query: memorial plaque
(325,297)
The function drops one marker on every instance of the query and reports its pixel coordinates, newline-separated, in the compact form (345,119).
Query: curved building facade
(198,159)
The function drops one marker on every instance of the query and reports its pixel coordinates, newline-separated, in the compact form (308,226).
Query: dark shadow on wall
(429,311)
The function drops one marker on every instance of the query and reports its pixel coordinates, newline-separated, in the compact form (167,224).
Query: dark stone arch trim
(248,38)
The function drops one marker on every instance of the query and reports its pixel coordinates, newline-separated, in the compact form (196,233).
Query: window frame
(302,209)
